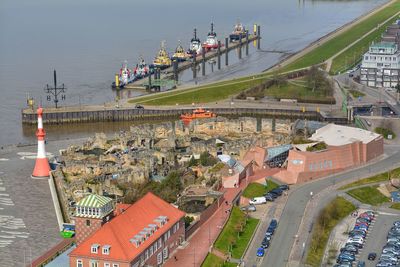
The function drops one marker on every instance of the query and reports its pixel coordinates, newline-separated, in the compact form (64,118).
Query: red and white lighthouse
(42,166)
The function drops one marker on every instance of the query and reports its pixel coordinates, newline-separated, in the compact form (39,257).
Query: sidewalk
(200,242)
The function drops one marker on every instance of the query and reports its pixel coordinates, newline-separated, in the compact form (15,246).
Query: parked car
(268,197)
(258,201)
(284,187)
(260,252)
(277,191)
(273,224)
(372,256)
(139,106)
(249,208)
(271,230)
(265,243)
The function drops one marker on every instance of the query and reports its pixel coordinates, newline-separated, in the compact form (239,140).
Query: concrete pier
(112,114)
(226,53)
(240,46)
(203,62)
(219,55)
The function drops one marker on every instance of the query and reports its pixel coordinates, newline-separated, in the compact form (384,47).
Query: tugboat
(195,45)
(162,59)
(237,31)
(141,70)
(211,42)
(179,54)
(198,113)
(124,77)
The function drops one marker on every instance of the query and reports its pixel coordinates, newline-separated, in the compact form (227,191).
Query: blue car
(273,224)
(260,252)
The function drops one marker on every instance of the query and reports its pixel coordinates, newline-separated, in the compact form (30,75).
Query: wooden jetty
(171,72)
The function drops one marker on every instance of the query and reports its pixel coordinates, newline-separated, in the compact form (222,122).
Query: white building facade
(381,65)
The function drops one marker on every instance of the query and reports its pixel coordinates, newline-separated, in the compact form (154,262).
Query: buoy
(42,166)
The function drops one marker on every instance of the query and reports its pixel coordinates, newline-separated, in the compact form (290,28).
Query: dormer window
(106,249)
(95,248)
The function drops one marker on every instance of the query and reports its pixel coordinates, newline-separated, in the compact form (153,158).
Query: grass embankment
(326,221)
(354,53)
(203,94)
(215,261)
(341,41)
(395,206)
(356,93)
(385,132)
(297,89)
(368,195)
(236,234)
(374,179)
(258,190)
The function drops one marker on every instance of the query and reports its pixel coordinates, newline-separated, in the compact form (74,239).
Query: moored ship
(198,113)
(195,45)
(212,41)
(142,69)
(162,59)
(238,31)
(124,77)
(179,54)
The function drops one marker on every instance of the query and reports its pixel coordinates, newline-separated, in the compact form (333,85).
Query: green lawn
(353,55)
(296,90)
(215,261)
(203,94)
(327,219)
(258,190)
(331,47)
(356,93)
(373,179)
(395,206)
(229,235)
(368,195)
(385,132)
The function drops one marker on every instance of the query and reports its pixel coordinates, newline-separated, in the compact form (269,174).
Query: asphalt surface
(28,223)
(293,212)
(376,237)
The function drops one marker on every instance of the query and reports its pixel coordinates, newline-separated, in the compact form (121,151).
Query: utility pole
(55,91)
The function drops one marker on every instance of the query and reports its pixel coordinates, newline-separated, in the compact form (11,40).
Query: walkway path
(194,253)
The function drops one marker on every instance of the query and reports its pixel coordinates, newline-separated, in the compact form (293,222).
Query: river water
(86,42)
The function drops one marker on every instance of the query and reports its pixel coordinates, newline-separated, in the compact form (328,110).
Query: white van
(257,201)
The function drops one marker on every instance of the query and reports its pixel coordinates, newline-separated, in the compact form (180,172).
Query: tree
(206,159)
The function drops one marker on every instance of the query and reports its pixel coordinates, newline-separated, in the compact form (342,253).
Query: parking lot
(376,237)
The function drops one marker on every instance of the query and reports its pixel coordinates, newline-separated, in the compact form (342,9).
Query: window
(94,263)
(146,254)
(106,249)
(177,226)
(106,264)
(174,228)
(366,57)
(151,251)
(115,265)
(155,246)
(87,222)
(165,253)
(95,248)
(159,258)
(79,263)
(159,243)
(310,167)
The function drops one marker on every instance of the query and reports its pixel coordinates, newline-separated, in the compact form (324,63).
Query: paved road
(279,251)
(376,237)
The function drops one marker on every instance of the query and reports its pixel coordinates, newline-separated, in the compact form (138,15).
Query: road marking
(31,155)
(4,159)
(387,213)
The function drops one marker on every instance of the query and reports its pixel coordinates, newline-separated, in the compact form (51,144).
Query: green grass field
(331,47)
(356,93)
(215,261)
(258,190)
(374,179)
(385,132)
(327,219)
(368,195)
(352,56)
(297,90)
(229,234)
(395,206)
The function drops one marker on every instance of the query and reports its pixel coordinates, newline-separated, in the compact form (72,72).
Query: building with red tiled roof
(144,233)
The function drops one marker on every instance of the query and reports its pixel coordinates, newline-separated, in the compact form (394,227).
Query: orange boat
(198,113)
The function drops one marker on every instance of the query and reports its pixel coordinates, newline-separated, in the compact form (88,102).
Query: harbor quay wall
(64,116)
